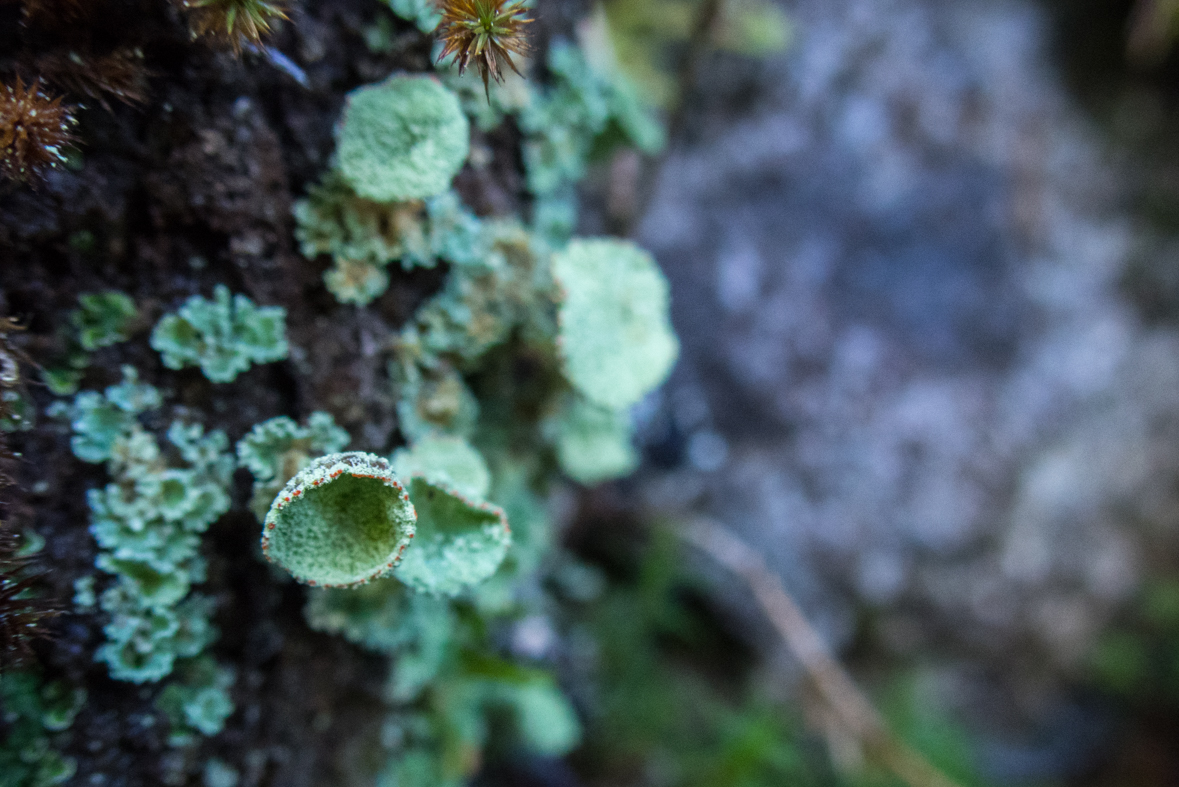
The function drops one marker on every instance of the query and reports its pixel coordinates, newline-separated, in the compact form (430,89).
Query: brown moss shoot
(236,22)
(35,131)
(119,73)
(485,32)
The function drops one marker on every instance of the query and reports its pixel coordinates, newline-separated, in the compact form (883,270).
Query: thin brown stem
(847,703)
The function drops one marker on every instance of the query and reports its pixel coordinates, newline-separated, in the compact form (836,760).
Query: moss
(616,339)
(24,614)
(460,542)
(342,520)
(237,23)
(35,131)
(224,336)
(594,443)
(403,139)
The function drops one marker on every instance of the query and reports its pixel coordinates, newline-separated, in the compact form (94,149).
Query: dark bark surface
(165,198)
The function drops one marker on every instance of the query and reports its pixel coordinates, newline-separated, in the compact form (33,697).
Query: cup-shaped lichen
(403,139)
(461,542)
(341,521)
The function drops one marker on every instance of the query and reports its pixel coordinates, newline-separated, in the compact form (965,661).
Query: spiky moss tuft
(403,139)
(461,542)
(23,616)
(614,334)
(341,521)
(486,32)
(445,459)
(236,22)
(35,131)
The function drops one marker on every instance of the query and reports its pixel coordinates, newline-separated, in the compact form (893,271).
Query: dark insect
(484,31)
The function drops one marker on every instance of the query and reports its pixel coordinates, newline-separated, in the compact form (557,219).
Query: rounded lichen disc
(615,335)
(461,542)
(403,139)
(446,459)
(342,520)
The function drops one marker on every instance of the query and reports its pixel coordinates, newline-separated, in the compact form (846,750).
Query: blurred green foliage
(1137,660)
(650,35)
(224,336)
(32,713)
(104,318)
(676,706)
(679,704)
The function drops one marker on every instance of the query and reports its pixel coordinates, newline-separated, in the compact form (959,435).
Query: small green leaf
(224,336)
(105,318)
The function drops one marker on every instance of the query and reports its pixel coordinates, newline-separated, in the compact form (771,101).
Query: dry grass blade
(848,705)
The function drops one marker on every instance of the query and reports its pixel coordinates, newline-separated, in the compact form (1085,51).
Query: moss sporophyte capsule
(341,521)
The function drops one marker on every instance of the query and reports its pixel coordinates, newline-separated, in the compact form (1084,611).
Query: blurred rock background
(931,367)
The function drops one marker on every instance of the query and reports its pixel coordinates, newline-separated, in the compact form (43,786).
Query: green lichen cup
(341,521)
(463,540)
